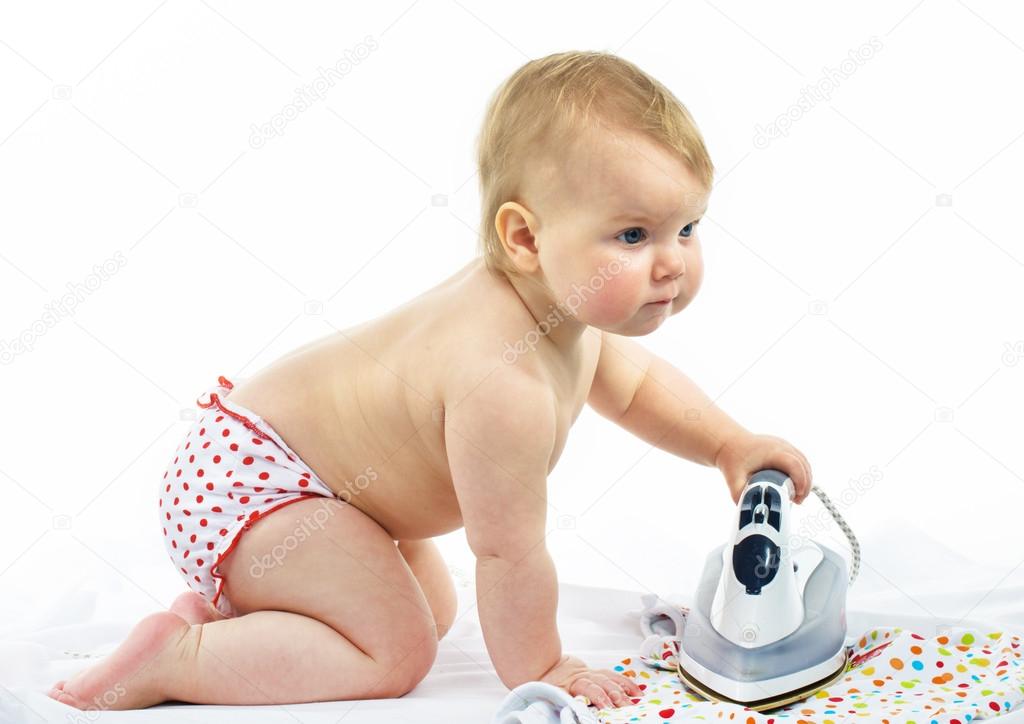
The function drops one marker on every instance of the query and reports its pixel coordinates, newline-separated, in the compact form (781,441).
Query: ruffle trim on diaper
(249,424)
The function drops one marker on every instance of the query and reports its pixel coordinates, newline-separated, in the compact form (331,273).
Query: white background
(862,297)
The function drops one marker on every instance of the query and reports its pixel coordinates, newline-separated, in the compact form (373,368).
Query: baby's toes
(57,693)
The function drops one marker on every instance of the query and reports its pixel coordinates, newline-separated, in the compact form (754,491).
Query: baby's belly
(403,492)
(395,473)
(407,511)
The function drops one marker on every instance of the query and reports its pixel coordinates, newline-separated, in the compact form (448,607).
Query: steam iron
(768,622)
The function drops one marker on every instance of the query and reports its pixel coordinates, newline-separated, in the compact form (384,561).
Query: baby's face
(618,233)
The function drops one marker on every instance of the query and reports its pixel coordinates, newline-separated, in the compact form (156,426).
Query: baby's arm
(499,438)
(650,398)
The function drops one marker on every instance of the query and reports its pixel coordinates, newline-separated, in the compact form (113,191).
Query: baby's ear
(515,225)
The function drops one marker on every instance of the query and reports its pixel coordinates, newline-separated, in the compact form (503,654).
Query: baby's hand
(743,455)
(603,687)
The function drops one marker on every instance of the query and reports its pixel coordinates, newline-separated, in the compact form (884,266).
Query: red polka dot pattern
(240,485)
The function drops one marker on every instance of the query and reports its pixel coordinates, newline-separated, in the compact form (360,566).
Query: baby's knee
(402,670)
(444,614)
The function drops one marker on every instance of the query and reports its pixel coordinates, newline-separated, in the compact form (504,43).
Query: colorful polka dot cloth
(957,676)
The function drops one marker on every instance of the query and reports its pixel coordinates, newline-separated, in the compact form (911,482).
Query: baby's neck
(553,320)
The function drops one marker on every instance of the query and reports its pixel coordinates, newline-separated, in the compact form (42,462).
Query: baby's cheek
(613,299)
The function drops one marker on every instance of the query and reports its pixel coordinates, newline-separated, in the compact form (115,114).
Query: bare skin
(355,403)
(421,423)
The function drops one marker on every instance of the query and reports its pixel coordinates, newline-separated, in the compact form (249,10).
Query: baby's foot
(135,675)
(195,609)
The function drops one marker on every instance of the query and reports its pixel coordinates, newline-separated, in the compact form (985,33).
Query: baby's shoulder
(475,333)
(485,355)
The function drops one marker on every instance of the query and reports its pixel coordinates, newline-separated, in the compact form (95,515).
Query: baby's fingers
(612,688)
(597,695)
(624,682)
(628,685)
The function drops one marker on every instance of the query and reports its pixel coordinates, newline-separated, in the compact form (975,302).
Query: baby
(449,411)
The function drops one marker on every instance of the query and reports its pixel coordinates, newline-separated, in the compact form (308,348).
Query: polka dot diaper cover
(231,469)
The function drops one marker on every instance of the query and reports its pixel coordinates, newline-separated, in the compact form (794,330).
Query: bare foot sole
(134,675)
(195,609)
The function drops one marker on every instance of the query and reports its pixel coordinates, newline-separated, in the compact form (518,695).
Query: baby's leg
(435,580)
(194,608)
(328,610)
(280,657)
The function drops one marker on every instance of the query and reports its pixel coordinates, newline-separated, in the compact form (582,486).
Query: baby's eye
(633,241)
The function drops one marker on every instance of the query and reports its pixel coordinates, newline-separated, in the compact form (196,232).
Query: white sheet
(462,687)
(599,625)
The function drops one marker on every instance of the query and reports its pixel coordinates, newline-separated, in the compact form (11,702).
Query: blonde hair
(547,102)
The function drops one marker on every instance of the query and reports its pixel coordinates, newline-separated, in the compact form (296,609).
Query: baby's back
(364,407)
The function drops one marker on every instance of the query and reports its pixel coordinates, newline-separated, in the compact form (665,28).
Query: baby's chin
(644,321)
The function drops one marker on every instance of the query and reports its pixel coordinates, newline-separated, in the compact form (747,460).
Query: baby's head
(593,176)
